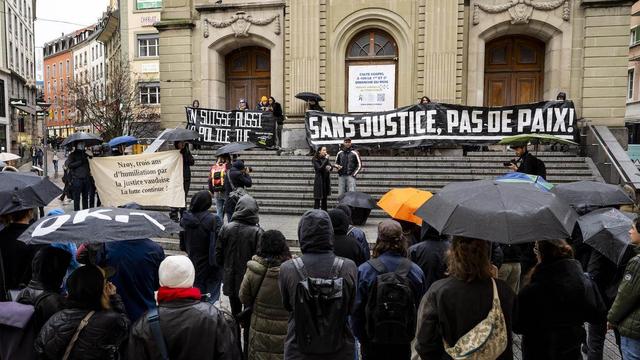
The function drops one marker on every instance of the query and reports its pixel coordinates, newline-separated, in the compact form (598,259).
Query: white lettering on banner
(44,228)
(151,220)
(313,128)
(83,214)
(524,119)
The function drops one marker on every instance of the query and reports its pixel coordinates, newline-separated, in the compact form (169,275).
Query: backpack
(235,195)
(218,172)
(391,311)
(320,311)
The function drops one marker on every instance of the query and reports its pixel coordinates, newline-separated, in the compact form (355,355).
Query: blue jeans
(346,183)
(630,348)
(220,207)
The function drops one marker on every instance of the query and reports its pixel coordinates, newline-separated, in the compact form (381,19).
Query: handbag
(487,340)
(83,323)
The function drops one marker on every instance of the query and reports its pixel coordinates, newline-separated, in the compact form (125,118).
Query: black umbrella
(607,231)
(586,194)
(99,225)
(507,213)
(306,96)
(20,191)
(88,138)
(180,135)
(357,199)
(234,147)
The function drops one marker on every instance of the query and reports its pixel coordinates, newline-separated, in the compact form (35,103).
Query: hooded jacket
(315,234)
(78,164)
(237,243)
(345,245)
(236,177)
(431,255)
(625,311)
(200,234)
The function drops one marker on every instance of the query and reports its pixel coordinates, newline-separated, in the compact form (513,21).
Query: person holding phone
(322,181)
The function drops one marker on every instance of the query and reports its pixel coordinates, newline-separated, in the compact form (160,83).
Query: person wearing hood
(315,234)
(78,165)
(355,231)
(191,329)
(431,254)
(92,301)
(70,247)
(200,233)
(236,245)
(237,177)
(345,245)
(49,267)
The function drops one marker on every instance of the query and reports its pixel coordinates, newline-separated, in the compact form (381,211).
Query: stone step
(405,172)
(386,165)
(374,159)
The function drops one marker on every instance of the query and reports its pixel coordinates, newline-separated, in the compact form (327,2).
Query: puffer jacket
(350,161)
(625,311)
(191,330)
(99,340)
(268,329)
(237,243)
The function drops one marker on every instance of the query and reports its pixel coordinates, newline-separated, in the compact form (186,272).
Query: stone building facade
(474,52)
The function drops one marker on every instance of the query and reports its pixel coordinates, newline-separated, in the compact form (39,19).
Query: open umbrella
(306,96)
(535,139)
(517,177)
(403,202)
(587,194)
(357,199)
(507,213)
(179,134)
(607,231)
(5,156)
(99,225)
(88,138)
(234,147)
(21,191)
(125,140)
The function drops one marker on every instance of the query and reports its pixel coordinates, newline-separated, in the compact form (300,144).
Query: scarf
(166,294)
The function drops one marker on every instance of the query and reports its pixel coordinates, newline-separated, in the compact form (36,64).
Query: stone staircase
(283,184)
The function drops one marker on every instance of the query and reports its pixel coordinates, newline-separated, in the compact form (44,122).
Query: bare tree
(112,105)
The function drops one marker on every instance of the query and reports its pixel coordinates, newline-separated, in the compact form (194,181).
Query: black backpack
(320,311)
(391,310)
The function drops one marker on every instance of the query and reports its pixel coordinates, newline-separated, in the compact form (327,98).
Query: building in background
(19,126)
(632,115)
(88,70)
(58,72)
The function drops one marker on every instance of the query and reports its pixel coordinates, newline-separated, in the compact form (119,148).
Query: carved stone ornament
(240,23)
(521,10)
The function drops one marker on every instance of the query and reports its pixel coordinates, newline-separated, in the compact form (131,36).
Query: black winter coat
(350,161)
(531,165)
(607,275)
(200,237)
(431,256)
(16,257)
(344,245)
(187,162)
(452,307)
(237,243)
(191,330)
(78,164)
(239,180)
(277,112)
(99,340)
(512,253)
(322,179)
(316,236)
(551,311)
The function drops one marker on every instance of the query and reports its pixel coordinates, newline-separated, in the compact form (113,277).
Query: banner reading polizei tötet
(220,127)
(435,123)
(147,179)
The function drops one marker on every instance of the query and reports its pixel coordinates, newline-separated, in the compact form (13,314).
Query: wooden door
(248,76)
(514,71)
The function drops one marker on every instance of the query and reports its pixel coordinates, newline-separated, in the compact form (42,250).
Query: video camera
(509,163)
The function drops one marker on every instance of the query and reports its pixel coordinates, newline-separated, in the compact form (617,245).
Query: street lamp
(44,106)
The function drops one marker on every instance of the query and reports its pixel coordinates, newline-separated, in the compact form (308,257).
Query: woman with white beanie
(184,320)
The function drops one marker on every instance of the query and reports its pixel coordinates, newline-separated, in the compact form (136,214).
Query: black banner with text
(434,123)
(219,127)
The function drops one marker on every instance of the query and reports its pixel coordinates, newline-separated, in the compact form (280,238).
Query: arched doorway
(513,71)
(247,75)
(371,68)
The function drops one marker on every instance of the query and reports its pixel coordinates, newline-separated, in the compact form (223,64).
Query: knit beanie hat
(176,272)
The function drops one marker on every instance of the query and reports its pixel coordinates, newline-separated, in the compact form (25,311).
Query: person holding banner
(349,164)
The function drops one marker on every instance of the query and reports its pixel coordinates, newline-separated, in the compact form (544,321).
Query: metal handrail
(616,156)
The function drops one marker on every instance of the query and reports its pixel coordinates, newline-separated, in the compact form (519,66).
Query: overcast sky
(77,13)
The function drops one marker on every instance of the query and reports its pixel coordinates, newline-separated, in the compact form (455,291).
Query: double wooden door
(514,71)
(248,76)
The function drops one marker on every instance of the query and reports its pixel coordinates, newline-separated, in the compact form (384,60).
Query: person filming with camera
(526,163)
(238,177)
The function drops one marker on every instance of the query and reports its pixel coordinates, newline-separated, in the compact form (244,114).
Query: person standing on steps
(322,181)
(349,161)
(217,179)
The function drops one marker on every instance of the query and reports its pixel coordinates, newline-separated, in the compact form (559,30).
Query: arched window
(371,62)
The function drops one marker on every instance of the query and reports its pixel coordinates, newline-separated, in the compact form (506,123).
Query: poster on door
(372,88)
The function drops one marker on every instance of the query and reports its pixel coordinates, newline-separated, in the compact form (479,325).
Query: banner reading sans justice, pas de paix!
(147,179)
(219,127)
(435,123)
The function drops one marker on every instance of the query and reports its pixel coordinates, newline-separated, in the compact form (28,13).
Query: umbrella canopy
(535,139)
(5,156)
(357,200)
(88,138)
(234,147)
(507,213)
(99,225)
(179,134)
(21,191)
(306,96)
(402,203)
(607,231)
(125,140)
(517,177)
(586,194)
